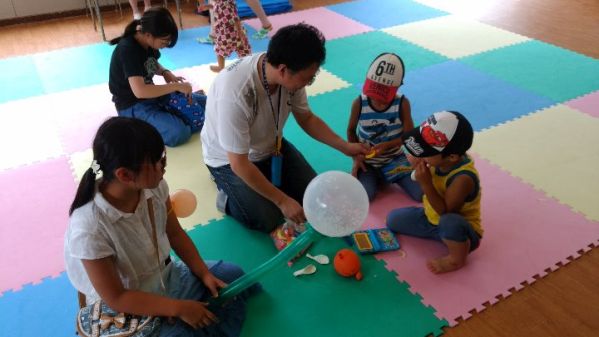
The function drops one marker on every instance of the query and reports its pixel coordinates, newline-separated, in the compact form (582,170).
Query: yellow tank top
(471,208)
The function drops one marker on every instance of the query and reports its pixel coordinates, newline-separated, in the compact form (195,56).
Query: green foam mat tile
(322,304)
(545,69)
(349,57)
(333,108)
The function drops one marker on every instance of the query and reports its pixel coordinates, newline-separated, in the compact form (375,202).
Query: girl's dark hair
(119,142)
(297,46)
(157,21)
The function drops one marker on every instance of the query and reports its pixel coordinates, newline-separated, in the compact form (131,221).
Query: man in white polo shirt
(263,175)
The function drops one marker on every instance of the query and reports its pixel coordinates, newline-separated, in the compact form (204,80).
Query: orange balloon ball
(347,263)
(183,202)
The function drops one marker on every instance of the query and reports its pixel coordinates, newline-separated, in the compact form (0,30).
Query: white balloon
(335,203)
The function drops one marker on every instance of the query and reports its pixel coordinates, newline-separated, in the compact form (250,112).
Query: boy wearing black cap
(452,193)
(379,117)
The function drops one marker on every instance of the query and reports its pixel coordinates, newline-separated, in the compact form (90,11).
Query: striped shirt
(375,127)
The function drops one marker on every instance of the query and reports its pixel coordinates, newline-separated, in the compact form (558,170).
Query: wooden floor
(564,303)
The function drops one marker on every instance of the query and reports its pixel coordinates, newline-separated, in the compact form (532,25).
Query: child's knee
(416,194)
(453,227)
(177,135)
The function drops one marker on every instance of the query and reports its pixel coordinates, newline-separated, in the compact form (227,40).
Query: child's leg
(460,239)
(183,284)
(210,38)
(192,113)
(454,260)
(411,187)
(135,9)
(147,4)
(259,11)
(220,66)
(413,222)
(173,129)
(369,179)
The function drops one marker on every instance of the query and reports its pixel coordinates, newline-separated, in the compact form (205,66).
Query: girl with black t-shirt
(134,63)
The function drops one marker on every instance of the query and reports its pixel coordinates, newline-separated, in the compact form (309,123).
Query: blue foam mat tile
(71,68)
(385,13)
(269,6)
(188,52)
(45,309)
(19,79)
(258,45)
(484,99)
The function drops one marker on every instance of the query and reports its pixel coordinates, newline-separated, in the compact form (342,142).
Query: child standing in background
(229,34)
(256,7)
(121,232)
(451,186)
(379,117)
(135,8)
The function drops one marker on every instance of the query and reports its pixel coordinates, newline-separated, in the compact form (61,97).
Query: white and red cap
(384,77)
(445,132)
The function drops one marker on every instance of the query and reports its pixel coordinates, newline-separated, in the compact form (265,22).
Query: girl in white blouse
(109,245)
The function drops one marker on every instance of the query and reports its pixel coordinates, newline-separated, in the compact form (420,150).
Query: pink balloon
(184,203)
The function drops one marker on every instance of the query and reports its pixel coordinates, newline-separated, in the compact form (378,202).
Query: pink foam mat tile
(588,104)
(78,113)
(35,201)
(526,232)
(331,24)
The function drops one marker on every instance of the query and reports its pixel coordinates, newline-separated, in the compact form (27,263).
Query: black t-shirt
(129,58)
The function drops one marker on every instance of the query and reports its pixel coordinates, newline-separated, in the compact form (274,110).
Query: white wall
(37,7)
(6,9)
(19,8)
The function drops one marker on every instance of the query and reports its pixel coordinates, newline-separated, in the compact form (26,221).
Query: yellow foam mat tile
(325,82)
(186,169)
(555,149)
(80,162)
(455,36)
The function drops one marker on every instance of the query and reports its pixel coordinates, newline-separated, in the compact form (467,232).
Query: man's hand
(292,210)
(354,149)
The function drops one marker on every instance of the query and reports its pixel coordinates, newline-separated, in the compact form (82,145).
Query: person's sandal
(206,39)
(262,33)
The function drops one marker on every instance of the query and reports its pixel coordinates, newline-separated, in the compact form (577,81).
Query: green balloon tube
(287,254)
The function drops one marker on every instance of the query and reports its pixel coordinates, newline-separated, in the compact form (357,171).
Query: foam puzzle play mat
(539,208)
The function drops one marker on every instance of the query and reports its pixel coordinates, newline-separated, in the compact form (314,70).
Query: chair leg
(99,15)
(91,13)
(178,4)
(117,6)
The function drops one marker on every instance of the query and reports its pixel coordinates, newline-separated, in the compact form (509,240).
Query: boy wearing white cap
(451,186)
(379,117)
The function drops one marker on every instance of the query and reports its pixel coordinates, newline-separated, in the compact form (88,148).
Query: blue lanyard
(276,116)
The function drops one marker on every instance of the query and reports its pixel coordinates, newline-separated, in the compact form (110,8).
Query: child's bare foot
(444,264)
(216,68)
